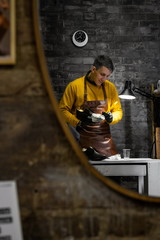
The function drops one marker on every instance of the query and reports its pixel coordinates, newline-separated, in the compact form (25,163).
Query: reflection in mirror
(130,39)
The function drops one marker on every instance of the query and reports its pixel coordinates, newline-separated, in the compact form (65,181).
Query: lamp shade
(127,93)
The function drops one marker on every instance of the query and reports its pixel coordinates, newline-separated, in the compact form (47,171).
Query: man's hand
(84,116)
(108,116)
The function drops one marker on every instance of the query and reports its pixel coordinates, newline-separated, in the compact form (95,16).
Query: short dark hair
(105,61)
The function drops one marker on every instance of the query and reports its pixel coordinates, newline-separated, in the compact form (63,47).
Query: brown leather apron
(97,135)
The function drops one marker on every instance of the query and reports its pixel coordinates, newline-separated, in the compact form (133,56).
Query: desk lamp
(128,93)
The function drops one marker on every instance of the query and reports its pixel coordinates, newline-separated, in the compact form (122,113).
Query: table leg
(141,184)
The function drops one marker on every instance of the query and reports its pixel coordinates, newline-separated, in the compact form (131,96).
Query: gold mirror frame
(45,75)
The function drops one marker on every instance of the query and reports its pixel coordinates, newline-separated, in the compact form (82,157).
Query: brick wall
(128,31)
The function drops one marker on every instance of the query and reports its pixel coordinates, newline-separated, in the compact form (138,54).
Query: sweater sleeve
(66,105)
(115,105)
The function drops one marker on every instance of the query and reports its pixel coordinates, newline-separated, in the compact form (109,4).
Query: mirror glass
(127,33)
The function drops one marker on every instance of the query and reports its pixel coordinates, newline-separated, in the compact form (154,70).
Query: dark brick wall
(129,32)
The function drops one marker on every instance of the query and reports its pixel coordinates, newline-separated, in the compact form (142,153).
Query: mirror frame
(82,158)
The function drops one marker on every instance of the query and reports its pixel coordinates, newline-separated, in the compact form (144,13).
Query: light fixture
(127,93)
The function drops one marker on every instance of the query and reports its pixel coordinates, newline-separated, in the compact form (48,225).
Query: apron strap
(85,90)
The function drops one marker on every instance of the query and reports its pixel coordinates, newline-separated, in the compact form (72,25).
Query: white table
(146,169)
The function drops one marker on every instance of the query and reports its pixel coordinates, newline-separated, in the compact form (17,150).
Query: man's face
(100,75)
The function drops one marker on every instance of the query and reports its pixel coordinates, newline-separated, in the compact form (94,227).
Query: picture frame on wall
(7,32)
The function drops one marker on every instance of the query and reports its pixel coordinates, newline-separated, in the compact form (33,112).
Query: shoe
(92,154)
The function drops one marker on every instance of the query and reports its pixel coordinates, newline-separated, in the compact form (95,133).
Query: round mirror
(58,21)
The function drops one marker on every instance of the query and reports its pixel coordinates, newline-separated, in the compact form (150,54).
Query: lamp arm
(143,93)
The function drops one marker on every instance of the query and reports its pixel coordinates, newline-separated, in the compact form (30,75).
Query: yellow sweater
(73,98)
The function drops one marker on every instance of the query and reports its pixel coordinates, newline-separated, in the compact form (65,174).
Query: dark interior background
(129,32)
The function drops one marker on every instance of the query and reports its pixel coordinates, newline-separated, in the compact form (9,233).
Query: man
(90,104)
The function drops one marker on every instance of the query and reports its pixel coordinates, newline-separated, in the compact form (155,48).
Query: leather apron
(97,135)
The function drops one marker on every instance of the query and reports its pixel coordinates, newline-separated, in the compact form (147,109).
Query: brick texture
(128,31)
